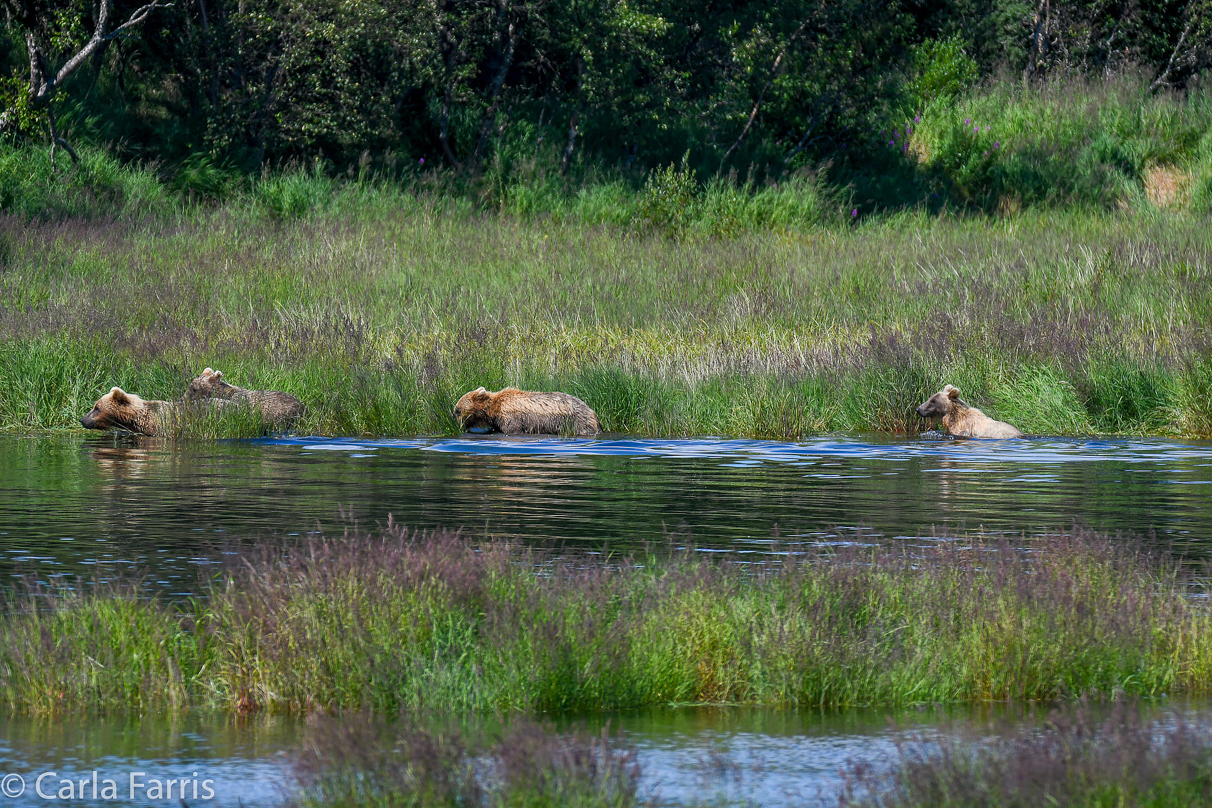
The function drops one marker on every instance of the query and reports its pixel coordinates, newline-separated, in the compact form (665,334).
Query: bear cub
(276,407)
(119,409)
(964,421)
(521,412)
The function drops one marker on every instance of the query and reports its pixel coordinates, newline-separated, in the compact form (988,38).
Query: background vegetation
(762,219)
(504,100)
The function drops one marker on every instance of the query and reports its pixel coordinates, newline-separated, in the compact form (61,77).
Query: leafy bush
(667,202)
(201,178)
(294,194)
(941,70)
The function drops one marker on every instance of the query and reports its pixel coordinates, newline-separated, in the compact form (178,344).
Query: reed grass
(433,621)
(1073,760)
(379,314)
(363,762)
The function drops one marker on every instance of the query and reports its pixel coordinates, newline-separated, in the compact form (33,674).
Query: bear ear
(479,390)
(218,374)
(208,372)
(117,394)
(952,392)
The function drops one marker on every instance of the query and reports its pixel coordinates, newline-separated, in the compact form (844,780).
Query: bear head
(209,385)
(940,404)
(471,411)
(117,409)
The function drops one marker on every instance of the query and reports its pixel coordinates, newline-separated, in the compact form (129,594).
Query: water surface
(686,755)
(68,503)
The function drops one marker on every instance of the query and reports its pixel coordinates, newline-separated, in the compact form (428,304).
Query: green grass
(437,623)
(381,310)
(361,763)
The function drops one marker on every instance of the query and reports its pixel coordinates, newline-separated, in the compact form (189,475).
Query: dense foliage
(212,88)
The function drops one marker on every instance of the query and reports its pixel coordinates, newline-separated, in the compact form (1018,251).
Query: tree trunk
(757,106)
(566,157)
(513,32)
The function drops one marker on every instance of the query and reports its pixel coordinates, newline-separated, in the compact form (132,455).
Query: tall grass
(381,312)
(98,187)
(672,304)
(1070,143)
(368,763)
(432,621)
(1074,760)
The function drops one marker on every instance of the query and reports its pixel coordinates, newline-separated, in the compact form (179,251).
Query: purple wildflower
(854,213)
(995,145)
(421,161)
(917,118)
(967,120)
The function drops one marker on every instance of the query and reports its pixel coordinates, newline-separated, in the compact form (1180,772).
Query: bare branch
(99,36)
(513,33)
(566,157)
(136,18)
(1165,74)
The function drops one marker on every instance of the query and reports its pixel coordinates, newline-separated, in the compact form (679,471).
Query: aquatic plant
(1073,759)
(434,621)
(362,761)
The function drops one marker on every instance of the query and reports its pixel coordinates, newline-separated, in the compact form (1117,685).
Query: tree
(51,35)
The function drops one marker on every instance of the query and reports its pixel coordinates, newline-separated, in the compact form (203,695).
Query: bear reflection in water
(961,420)
(521,412)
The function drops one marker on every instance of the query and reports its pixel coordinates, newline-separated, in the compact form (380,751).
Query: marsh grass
(361,761)
(378,318)
(435,622)
(1073,760)
(97,646)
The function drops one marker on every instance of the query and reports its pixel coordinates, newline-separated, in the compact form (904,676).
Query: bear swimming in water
(520,412)
(119,409)
(961,420)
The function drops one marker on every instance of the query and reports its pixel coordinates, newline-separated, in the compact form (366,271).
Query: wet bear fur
(119,409)
(276,407)
(521,412)
(961,420)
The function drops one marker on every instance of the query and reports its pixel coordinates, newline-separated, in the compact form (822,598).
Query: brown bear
(276,407)
(961,420)
(515,412)
(119,409)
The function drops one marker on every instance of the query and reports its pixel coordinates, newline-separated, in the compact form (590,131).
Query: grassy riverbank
(434,622)
(1045,249)
(380,310)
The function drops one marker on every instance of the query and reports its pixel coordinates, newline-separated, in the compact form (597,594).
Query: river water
(77,506)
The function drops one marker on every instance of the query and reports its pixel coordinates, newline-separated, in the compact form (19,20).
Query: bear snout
(919,412)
